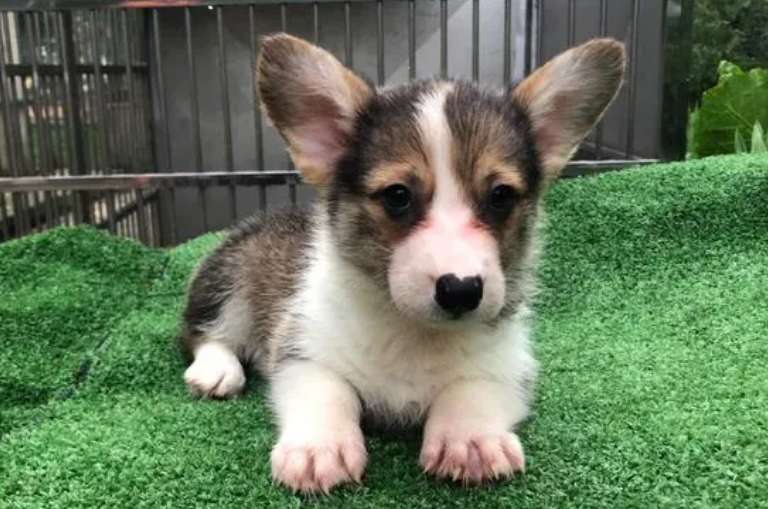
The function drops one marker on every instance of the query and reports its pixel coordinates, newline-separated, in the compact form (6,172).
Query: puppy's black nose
(458,296)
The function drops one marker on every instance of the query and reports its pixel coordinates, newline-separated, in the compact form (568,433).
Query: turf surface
(652,334)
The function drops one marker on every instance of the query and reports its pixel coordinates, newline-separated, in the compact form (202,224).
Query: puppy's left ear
(312,99)
(566,97)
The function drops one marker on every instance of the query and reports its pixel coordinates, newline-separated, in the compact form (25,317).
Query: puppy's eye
(397,199)
(501,198)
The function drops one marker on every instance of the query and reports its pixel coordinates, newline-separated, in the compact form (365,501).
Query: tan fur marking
(403,173)
(492,170)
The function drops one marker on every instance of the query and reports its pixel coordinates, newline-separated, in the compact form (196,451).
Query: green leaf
(737,101)
(758,140)
(740,146)
(693,120)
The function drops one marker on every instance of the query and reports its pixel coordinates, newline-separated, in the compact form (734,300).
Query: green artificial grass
(652,333)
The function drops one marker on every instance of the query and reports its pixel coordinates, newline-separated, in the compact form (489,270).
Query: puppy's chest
(396,372)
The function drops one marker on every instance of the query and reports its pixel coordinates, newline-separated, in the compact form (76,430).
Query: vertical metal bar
(125,221)
(661,56)
(46,209)
(262,198)
(539,30)
(224,84)
(257,126)
(475,40)
(443,39)
(87,113)
(195,113)
(380,70)
(5,100)
(6,230)
(119,226)
(132,131)
(283,17)
(43,88)
(571,22)
(100,202)
(528,62)
(28,162)
(292,192)
(193,93)
(603,33)
(7,53)
(75,207)
(141,212)
(6,95)
(144,111)
(98,80)
(131,218)
(122,228)
(348,34)
(172,215)
(114,23)
(31,205)
(112,92)
(122,134)
(316,22)
(73,131)
(166,136)
(47,37)
(56,212)
(154,207)
(47,89)
(47,199)
(110,198)
(20,203)
(507,72)
(51,120)
(119,207)
(42,162)
(133,231)
(603,18)
(632,82)
(412,39)
(123,123)
(58,106)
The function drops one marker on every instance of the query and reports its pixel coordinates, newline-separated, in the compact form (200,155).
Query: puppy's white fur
(216,372)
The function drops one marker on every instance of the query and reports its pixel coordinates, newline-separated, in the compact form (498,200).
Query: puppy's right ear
(312,99)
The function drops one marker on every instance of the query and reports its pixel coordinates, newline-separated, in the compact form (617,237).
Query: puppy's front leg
(318,413)
(467,435)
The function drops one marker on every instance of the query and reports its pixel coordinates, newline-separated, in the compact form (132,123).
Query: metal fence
(144,119)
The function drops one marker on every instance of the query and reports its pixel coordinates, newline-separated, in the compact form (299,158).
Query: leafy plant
(733,31)
(730,112)
(759,142)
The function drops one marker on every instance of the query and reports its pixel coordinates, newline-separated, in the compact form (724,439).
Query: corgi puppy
(403,295)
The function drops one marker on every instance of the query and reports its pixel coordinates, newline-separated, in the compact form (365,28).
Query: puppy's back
(246,280)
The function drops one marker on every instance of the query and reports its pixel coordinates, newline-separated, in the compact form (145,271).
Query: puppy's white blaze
(448,243)
(437,141)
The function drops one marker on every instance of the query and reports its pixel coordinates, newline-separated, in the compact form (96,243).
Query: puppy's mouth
(439,319)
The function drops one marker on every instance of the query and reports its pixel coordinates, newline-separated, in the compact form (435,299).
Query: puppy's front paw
(215,377)
(319,465)
(472,457)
